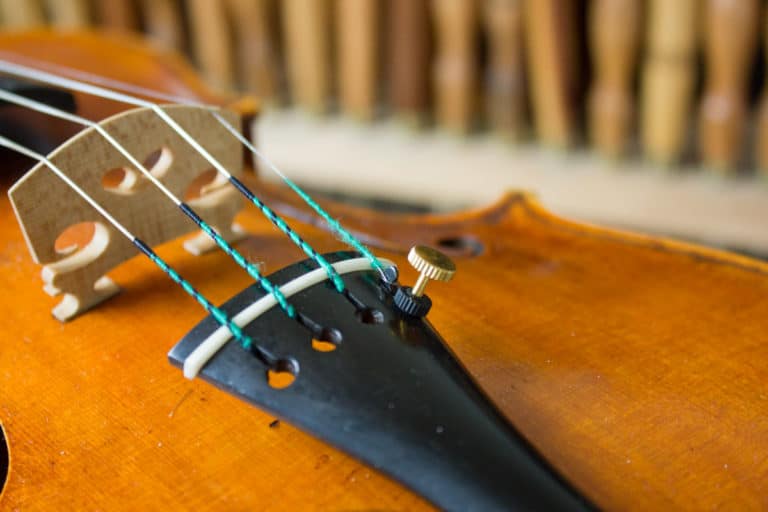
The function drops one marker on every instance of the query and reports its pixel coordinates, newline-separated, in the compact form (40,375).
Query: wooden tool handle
(551,42)
(614,29)
(307,32)
(730,43)
(410,50)
(357,45)
(505,85)
(455,67)
(668,79)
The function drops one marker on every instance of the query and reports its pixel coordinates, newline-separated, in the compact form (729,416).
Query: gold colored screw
(432,264)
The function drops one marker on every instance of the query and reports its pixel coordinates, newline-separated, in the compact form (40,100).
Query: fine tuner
(432,265)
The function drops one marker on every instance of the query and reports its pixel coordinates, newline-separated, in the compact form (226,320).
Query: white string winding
(203,353)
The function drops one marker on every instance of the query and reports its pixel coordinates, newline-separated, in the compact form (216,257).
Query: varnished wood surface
(636,365)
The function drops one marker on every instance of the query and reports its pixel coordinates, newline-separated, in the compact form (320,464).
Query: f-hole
(5,460)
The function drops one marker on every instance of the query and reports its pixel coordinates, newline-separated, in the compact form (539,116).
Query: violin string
(219,315)
(315,328)
(289,309)
(335,225)
(49,78)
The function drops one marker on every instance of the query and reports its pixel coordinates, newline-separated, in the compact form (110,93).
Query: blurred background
(650,115)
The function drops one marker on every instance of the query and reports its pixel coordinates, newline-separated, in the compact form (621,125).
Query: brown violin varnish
(212,42)
(69,14)
(504,89)
(455,72)
(409,40)
(357,50)
(257,50)
(730,33)
(307,32)
(550,35)
(614,38)
(668,78)
(21,14)
(117,14)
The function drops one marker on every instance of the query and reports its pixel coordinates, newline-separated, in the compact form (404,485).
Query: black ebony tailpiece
(390,394)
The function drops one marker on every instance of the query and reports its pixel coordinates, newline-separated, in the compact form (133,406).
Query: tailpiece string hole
(283,374)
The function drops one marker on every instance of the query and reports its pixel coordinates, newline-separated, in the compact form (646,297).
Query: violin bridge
(76,247)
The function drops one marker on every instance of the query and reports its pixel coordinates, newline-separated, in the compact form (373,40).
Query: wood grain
(636,365)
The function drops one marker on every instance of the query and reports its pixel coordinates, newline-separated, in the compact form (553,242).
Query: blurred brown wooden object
(409,57)
(669,75)
(212,42)
(761,144)
(614,37)
(307,32)
(163,22)
(551,47)
(455,68)
(255,23)
(730,31)
(505,89)
(68,14)
(117,14)
(16,14)
(357,50)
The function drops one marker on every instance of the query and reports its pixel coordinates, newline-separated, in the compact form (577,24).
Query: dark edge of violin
(5,460)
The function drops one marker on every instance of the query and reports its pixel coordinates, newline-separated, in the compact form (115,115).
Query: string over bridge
(46,207)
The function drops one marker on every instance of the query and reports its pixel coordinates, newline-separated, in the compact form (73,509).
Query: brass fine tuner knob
(432,265)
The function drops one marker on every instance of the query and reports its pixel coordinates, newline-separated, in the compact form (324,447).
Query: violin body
(636,366)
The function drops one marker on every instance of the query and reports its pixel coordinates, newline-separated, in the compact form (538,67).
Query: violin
(564,365)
